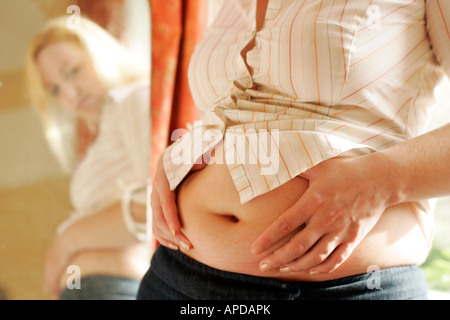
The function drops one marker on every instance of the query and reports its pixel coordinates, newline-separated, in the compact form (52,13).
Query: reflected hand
(345,199)
(56,261)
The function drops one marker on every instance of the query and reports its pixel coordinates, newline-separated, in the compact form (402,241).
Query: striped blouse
(118,160)
(319,79)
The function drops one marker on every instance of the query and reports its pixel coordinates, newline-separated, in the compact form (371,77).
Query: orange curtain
(177,25)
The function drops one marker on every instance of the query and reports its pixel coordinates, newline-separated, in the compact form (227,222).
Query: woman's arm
(101,230)
(421,165)
(346,198)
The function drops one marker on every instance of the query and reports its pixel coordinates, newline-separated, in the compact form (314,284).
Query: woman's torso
(130,262)
(348,71)
(222,230)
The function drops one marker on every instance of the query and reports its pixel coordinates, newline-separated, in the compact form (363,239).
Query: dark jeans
(175,276)
(99,287)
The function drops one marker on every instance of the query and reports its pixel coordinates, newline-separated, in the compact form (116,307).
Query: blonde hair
(114,66)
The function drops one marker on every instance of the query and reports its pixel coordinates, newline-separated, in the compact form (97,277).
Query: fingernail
(264,266)
(256,249)
(313,272)
(173,247)
(172,230)
(285,269)
(185,246)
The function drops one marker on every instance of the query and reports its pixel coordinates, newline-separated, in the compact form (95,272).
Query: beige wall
(33,190)
(19,20)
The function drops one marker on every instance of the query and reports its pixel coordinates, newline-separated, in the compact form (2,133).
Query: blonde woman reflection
(87,73)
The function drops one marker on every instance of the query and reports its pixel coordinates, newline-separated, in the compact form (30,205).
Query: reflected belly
(222,230)
(131,262)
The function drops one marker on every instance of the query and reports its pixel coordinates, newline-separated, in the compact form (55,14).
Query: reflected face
(69,76)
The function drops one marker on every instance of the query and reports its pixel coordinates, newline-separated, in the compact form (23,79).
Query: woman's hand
(166,226)
(344,201)
(56,261)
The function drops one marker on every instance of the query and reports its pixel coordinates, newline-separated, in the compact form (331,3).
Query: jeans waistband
(199,281)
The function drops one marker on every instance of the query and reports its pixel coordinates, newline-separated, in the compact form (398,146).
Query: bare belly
(131,262)
(222,230)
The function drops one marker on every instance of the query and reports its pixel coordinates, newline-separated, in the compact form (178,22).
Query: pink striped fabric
(320,79)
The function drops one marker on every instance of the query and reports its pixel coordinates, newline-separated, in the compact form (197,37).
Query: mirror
(34,185)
